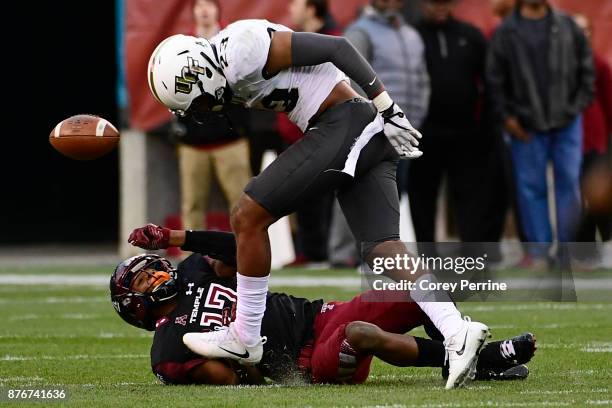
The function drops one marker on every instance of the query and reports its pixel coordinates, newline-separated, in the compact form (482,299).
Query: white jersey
(243,52)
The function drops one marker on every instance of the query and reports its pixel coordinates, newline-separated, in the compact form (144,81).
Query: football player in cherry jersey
(350,145)
(318,342)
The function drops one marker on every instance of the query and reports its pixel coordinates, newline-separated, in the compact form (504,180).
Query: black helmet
(136,307)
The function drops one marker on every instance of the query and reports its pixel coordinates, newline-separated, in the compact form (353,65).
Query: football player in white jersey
(350,145)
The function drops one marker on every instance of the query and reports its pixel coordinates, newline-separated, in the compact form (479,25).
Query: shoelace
(506,348)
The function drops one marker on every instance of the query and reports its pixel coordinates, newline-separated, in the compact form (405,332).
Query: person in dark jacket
(540,69)
(455,143)
(397,53)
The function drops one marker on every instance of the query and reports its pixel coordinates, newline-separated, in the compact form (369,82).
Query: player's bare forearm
(279,55)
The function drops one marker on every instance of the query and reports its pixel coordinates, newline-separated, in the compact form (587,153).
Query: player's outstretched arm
(291,49)
(216,244)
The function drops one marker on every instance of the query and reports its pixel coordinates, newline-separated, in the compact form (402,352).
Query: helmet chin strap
(223,95)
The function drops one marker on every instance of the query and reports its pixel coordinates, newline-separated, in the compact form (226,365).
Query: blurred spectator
(454,143)
(396,52)
(263,136)
(313,16)
(213,148)
(313,218)
(503,8)
(597,127)
(541,71)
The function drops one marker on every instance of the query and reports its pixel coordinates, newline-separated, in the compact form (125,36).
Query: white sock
(439,308)
(250,307)
(445,316)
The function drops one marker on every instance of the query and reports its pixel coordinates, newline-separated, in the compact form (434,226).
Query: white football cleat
(224,343)
(462,350)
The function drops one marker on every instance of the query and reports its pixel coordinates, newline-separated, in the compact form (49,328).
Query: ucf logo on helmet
(189,76)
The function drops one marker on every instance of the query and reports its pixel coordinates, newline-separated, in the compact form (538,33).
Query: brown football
(84,137)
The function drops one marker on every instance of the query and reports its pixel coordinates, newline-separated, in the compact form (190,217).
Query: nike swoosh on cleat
(243,355)
(460,352)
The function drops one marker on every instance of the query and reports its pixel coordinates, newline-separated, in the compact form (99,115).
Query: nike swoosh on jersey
(371,83)
(243,355)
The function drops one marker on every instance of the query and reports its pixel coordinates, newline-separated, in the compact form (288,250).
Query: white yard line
(489,404)
(10,357)
(597,349)
(294,281)
(99,280)
(56,299)
(75,336)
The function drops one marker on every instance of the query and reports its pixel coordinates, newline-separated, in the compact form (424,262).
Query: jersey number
(222,51)
(215,299)
(281,100)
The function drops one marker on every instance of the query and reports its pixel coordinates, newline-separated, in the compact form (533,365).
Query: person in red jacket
(597,128)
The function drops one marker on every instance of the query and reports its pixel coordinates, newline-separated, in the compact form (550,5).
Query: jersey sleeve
(244,48)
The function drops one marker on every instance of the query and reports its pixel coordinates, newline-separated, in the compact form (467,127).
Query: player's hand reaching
(403,137)
(150,236)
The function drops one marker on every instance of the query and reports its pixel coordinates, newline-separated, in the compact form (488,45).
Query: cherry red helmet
(134,307)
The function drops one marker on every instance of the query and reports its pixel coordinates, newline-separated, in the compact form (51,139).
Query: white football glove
(403,137)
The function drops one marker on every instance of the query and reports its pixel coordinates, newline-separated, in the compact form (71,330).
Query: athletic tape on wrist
(382,101)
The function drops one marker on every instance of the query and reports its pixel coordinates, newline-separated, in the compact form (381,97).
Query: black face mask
(206,105)
(164,291)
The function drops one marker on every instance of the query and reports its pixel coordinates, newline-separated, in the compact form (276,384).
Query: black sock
(431,353)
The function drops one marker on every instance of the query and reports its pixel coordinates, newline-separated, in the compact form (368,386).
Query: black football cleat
(499,356)
(502,359)
(518,372)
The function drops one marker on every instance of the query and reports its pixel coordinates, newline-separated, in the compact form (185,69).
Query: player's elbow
(342,45)
(362,336)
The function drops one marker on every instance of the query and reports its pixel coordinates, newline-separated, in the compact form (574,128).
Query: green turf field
(71,338)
